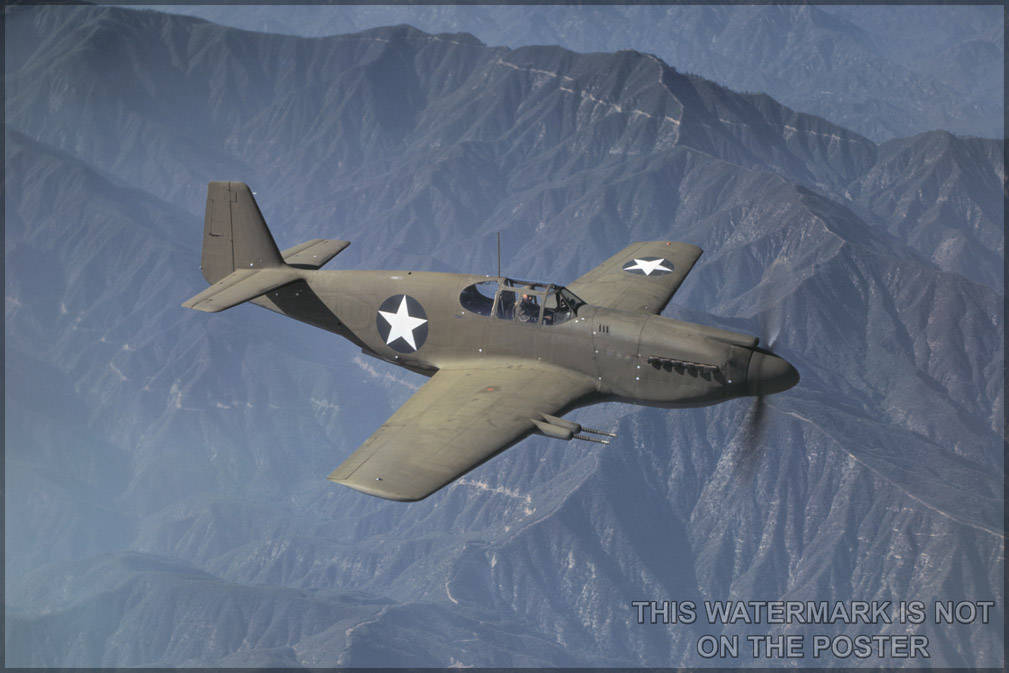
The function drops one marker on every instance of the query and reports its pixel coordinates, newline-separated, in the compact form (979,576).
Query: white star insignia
(647,267)
(402,324)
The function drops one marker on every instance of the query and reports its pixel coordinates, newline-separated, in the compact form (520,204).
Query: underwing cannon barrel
(559,428)
(555,431)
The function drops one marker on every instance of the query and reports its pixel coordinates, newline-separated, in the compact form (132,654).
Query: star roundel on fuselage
(402,323)
(649,266)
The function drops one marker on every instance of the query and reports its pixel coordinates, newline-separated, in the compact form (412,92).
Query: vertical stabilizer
(235,235)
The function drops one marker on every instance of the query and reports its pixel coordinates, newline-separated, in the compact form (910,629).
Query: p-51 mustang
(506,358)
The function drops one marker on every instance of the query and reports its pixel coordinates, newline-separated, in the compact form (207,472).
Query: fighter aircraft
(506,358)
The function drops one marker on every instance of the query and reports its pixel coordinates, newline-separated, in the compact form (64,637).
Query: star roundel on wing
(402,323)
(649,266)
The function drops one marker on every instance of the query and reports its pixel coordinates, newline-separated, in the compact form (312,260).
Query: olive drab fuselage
(632,356)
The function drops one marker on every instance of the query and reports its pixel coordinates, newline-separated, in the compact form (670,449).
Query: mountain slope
(883,71)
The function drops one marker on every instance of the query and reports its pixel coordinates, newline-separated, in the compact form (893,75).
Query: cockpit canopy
(521,301)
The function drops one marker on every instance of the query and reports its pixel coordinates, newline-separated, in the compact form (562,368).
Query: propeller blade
(770,319)
(752,446)
(769,322)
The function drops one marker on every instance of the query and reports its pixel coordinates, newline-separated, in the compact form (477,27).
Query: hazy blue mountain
(166,499)
(933,192)
(883,71)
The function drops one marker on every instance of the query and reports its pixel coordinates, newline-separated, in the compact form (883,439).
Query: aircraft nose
(769,374)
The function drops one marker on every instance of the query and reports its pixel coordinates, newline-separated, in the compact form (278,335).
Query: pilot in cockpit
(528,309)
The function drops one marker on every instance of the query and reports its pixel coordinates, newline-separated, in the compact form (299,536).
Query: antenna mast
(499,254)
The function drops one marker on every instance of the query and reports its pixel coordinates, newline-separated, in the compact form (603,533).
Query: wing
(456,421)
(641,277)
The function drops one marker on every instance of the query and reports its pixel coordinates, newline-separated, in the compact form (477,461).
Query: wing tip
(375,491)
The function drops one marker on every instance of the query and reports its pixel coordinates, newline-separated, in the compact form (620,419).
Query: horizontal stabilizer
(241,285)
(313,254)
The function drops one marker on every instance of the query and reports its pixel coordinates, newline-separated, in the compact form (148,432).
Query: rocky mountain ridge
(883,71)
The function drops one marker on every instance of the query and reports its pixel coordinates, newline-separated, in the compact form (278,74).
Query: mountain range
(166,500)
(885,71)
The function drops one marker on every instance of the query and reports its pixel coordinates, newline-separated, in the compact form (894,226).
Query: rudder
(235,235)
